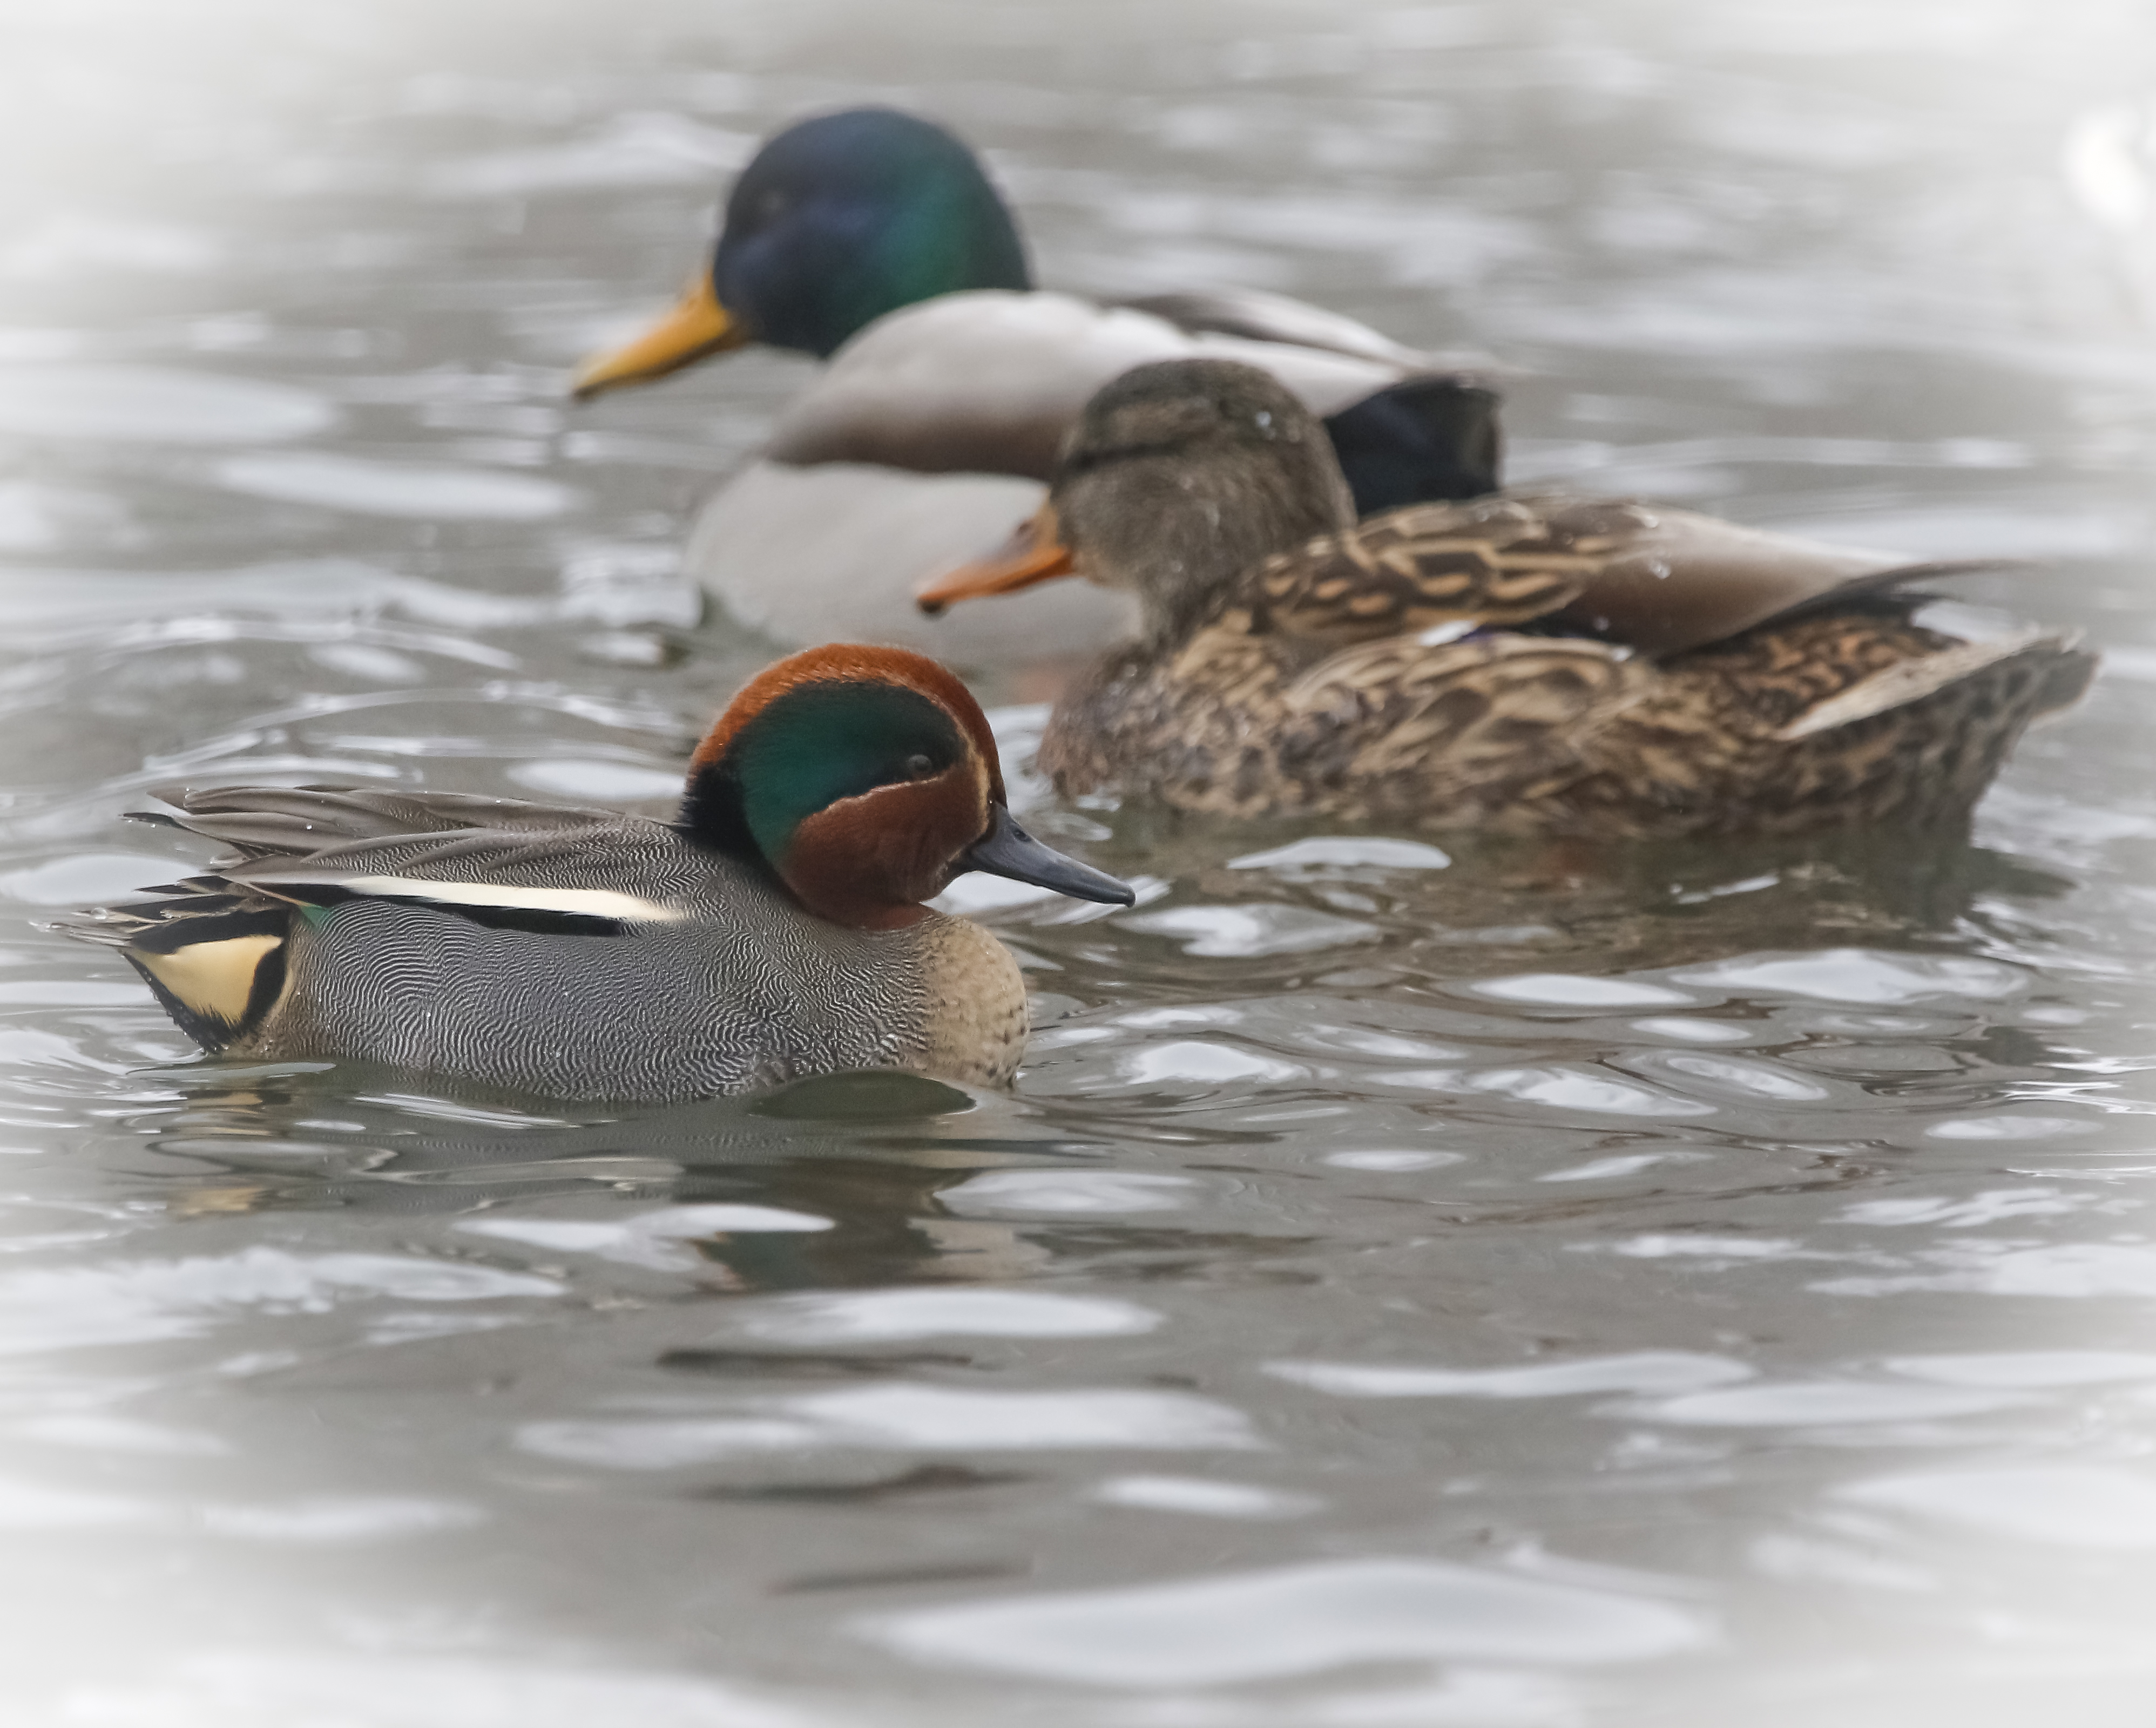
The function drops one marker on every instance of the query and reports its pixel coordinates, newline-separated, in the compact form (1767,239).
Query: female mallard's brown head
(1178,478)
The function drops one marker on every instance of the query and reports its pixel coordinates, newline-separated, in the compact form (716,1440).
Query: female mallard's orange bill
(1032,555)
(697,325)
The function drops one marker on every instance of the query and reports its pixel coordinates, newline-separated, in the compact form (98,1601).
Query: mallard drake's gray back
(874,240)
(775,930)
(1526,664)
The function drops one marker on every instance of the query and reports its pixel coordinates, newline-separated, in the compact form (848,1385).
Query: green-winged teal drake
(773,930)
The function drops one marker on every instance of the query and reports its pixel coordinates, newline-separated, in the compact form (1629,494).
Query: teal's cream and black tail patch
(216,948)
(215,961)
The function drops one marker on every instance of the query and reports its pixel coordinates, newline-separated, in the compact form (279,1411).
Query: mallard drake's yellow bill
(697,325)
(1033,554)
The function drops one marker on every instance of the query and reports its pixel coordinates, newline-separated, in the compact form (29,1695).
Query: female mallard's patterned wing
(1669,580)
(1489,562)
(1656,580)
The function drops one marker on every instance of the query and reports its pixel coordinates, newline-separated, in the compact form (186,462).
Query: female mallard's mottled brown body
(1516,664)
(774,930)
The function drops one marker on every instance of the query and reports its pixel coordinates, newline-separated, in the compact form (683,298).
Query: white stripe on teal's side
(582,902)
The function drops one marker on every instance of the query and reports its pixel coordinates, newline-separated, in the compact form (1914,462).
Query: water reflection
(1275,1624)
(2071,1505)
(1641,1372)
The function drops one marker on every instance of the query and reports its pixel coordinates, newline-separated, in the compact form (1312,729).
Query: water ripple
(1294,1620)
(65,1307)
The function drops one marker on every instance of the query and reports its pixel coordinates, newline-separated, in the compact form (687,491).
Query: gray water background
(1702,1286)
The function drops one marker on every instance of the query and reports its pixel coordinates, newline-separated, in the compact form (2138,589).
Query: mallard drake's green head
(866,779)
(835,221)
(1178,478)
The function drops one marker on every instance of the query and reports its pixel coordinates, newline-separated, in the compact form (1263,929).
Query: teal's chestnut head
(836,221)
(867,778)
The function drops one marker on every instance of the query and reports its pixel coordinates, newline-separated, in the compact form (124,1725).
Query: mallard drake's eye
(771,206)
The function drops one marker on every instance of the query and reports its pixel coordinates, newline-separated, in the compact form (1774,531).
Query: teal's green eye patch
(823,742)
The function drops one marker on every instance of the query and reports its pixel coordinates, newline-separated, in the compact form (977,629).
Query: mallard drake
(874,241)
(774,929)
(1598,668)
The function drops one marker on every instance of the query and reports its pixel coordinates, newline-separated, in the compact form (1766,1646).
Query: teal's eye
(918,766)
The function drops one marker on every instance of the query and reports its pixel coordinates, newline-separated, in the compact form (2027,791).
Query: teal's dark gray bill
(1009,850)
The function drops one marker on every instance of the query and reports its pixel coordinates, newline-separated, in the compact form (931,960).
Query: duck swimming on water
(773,930)
(1525,664)
(874,241)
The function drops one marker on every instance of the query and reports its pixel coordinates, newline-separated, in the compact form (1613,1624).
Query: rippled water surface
(1688,1287)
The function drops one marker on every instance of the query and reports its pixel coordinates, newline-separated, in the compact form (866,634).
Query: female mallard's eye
(918,766)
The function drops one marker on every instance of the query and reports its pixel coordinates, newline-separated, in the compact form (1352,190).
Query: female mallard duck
(773,930)
(1517,664)
(875,241)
